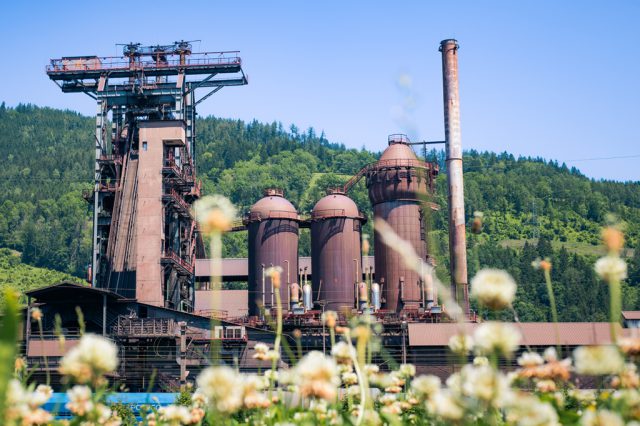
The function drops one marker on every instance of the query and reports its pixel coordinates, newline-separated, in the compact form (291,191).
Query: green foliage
(20,277)
(125,412)
(184,397)
(8,338)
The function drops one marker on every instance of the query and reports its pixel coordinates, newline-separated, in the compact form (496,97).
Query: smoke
(403,113)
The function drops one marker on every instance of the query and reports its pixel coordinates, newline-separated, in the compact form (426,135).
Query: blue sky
(555,79)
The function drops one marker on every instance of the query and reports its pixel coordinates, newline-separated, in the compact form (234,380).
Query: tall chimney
(457,237)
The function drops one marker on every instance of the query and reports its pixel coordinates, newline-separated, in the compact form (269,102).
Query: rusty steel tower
(144,238)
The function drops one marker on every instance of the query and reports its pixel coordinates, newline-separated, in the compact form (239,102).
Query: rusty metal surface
(273,241)
(453,147)
(534,333)
(234,303)
(236,269)
(336,253)
(397,194)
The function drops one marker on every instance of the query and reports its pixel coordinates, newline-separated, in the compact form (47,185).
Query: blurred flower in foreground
(214,213)
(544,264)
(317,376)
(601,418)
(90,359)
(426,386)
(223,388)
(598,360)
(611,268)
(496,337)
(476,226)
(493,288)
(613,239)
(461,344)
(526,409)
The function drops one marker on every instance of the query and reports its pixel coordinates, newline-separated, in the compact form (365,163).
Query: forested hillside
(531,207)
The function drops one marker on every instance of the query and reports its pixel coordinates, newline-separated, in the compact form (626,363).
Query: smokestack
(457,237)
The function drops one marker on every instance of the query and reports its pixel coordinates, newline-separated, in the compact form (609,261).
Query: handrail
(384,165)
(170,255)
(111,63)
(173,194)
(271,214)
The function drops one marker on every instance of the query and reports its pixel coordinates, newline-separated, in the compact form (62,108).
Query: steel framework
(146,85)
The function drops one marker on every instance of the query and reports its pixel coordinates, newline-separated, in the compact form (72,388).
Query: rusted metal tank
(336,253)
(399,185)
(273,224)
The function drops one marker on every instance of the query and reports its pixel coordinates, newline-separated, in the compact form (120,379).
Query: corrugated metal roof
(631,315)
(534,333)
(65,289)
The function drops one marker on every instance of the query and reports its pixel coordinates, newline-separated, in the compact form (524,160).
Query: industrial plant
(149,274)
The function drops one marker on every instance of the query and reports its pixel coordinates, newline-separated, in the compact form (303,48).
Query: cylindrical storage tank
(273,225)
(398,187)
(336,253)
(375,296)
(307,297)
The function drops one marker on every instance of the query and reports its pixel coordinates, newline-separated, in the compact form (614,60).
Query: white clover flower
(585,396)
(354,392)
(496,337)
(598,360)
(530,359)
(317,376)
(601,418)
(550,354)
(406,371)
(104,413)
(90,359)
(349,379)
(392,409)
(37,416)
(79,400)
(199,399)
(370,369)
(493,288)
(445,405)
(40,396)
(426,386)
(223,387)
(15,393)
(611,268)
(175,415)
(527,410)
(483,383)
(261,348)
(387,398)
(343,352)
(480,360)
(460,344)
(271,375)
(214,213)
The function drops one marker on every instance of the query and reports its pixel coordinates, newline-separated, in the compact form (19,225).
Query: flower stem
(554,310)
(216,272)
(46,361)
(615,295)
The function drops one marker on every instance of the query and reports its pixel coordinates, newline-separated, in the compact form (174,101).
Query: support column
(104,315)
(99,149)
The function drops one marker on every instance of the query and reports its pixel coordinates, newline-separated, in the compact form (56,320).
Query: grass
(584,249)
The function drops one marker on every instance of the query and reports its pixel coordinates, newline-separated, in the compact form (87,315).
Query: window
(144,146)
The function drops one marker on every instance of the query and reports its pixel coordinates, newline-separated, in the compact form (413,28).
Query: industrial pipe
(453,147)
